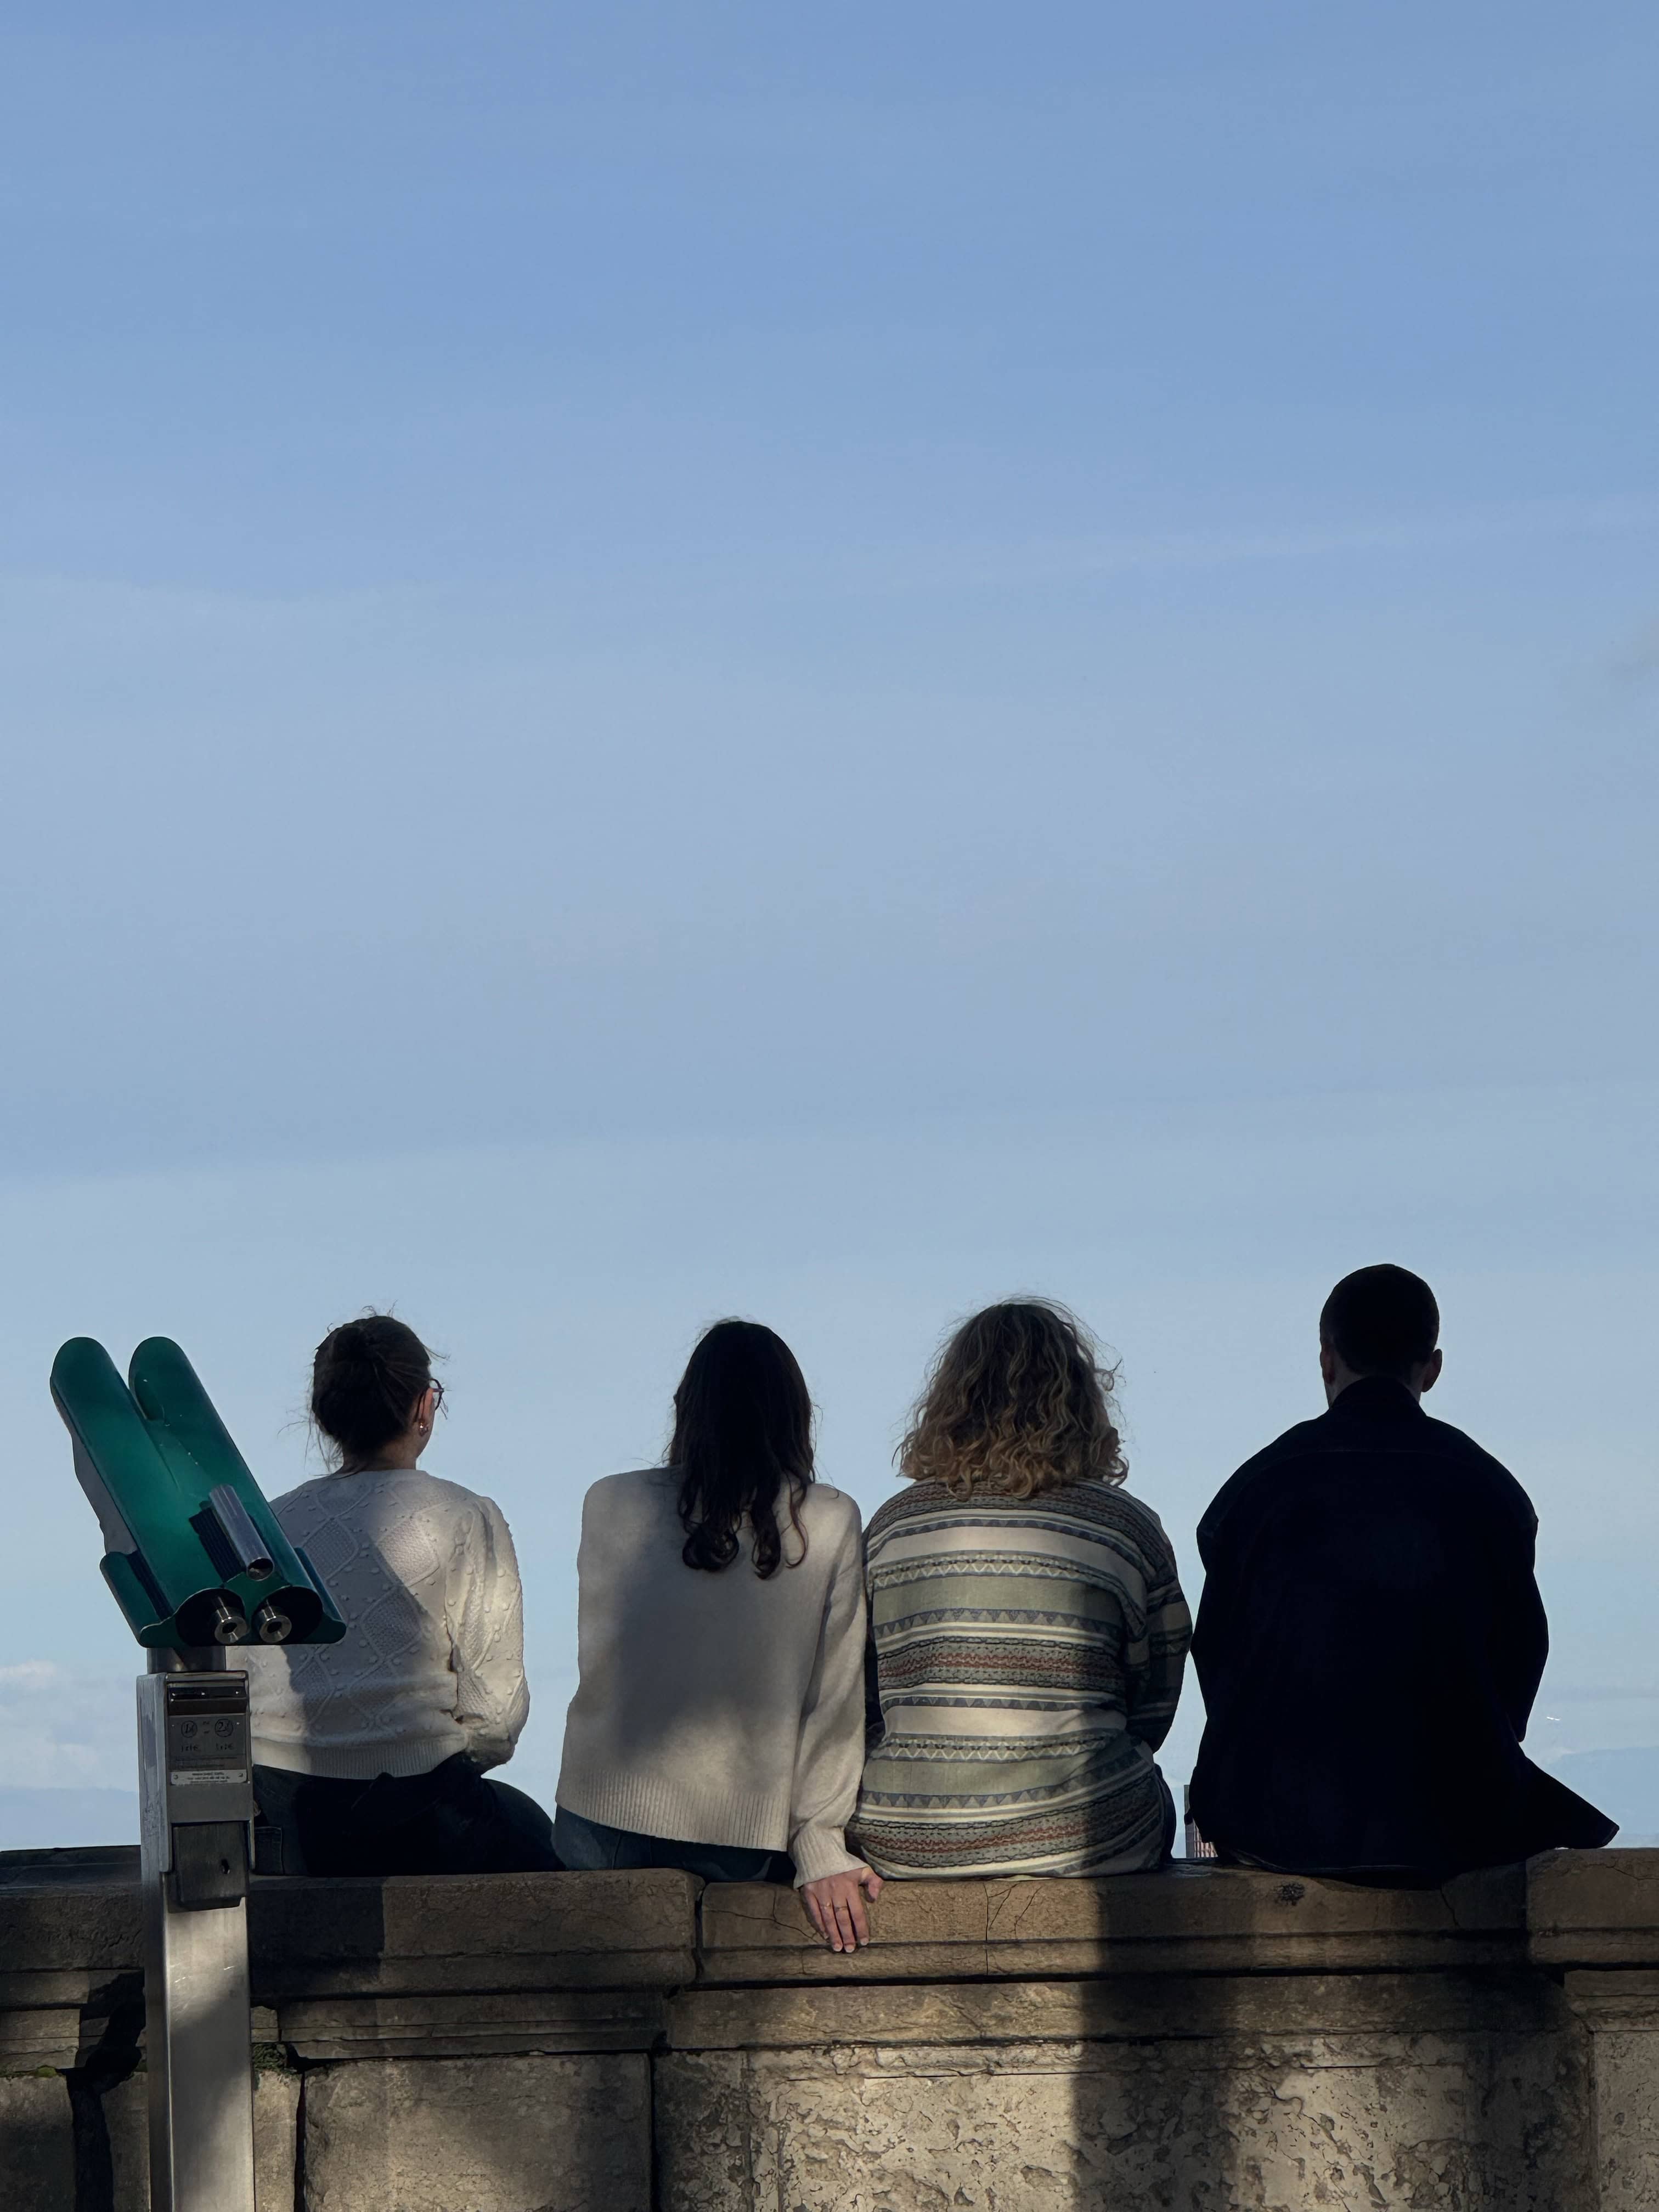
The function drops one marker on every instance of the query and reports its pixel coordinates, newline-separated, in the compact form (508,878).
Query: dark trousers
(589,1844)
(452,1821)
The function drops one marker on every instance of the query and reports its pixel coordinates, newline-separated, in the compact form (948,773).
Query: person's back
(1370,1636)
(370,1755)
(718,1724)
(1028,1623)
(423,1572)
(690,1683)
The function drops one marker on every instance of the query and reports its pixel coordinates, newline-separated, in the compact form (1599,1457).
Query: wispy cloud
(62,1729)
(127,610)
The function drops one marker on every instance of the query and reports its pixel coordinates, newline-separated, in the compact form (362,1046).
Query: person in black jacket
(1370,1638)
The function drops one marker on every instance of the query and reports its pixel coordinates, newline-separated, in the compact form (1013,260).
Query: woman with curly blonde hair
(1027,1621)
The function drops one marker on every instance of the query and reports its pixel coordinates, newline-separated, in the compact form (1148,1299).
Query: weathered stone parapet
(1189,1919)
(1196,2039)
(480,2135)
(453,1968)
(1593,1922)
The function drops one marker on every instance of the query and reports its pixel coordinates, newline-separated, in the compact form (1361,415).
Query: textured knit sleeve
(1155,1662)
(829,1754)
(486,1628)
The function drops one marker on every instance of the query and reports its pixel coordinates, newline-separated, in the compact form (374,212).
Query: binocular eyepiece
(230,1625)
(193,1554)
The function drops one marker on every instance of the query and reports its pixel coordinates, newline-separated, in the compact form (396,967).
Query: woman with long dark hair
(718,1724)
(370,1755)
(1029,1627)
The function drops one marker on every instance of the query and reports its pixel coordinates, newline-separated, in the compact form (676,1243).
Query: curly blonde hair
(1019,1401)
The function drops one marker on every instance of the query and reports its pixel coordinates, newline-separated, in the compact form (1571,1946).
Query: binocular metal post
(195,1807)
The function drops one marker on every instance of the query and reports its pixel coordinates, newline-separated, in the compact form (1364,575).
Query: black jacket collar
(1377,1398)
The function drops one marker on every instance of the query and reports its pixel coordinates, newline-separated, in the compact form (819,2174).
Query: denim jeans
(589,1844)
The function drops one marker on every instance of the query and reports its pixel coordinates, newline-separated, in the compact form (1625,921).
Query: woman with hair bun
(370,1753)
(1028,1625)
(718,1724)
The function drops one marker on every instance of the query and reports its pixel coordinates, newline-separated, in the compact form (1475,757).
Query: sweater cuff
(820,1851)
(487,1747)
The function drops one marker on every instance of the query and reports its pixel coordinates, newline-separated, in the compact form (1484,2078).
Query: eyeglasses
(437,1390)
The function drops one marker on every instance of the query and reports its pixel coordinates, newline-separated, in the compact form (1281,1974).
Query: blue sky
(667,661)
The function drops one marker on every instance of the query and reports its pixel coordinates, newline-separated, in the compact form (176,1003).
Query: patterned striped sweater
(1028,1655)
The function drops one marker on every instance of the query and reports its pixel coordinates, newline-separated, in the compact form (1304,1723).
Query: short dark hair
(367,1379)
(1381,1321)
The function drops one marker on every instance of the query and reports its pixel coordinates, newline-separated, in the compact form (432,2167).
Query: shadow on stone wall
(1466,2090)
(1181,2042)
(110,2059)
(38,2169)
(531,2132)
(1356,2059)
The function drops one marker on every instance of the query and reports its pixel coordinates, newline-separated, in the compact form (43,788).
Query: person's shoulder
(1477,1465)
(821,1501)
(1303,1440)
(627,1492)
(832,1521)
(1313,1448)
(413,1487)
(1105,1513)
(631,1483)
(1299,1441)
(915,1501)
(1455,1442)
(308,1502)
(1116,1508)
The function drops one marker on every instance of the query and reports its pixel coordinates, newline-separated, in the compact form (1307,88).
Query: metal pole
(195,1802)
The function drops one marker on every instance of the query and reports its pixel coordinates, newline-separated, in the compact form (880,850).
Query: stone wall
(1188,2041)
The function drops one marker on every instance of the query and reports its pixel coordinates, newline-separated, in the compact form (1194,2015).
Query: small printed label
(190,1779)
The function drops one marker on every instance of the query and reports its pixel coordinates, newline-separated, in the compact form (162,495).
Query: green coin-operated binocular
(192,1552)
(198,1565)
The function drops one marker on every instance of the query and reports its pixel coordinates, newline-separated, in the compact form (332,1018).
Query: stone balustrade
(1189,2041)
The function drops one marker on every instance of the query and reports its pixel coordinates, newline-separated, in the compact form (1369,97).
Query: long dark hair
(367,1379)
(743,1438)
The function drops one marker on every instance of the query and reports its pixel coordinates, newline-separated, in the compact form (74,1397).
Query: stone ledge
(85,1930)
(495,1932)
(448,2024)
(1131,2008)
(1594,1908)
(70,1936)
(1621,1997)
(1204,2036)
(1197,1919)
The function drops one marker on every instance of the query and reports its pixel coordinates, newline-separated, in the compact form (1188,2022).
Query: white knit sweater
(718,1708)
(432,1661)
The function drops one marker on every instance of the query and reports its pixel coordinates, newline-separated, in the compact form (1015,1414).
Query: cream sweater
(432,1661)
(718,1708)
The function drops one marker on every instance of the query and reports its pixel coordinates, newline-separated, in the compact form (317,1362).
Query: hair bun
(355,1341)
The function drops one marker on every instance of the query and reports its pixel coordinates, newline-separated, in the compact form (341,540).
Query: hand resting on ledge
(834,1904)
